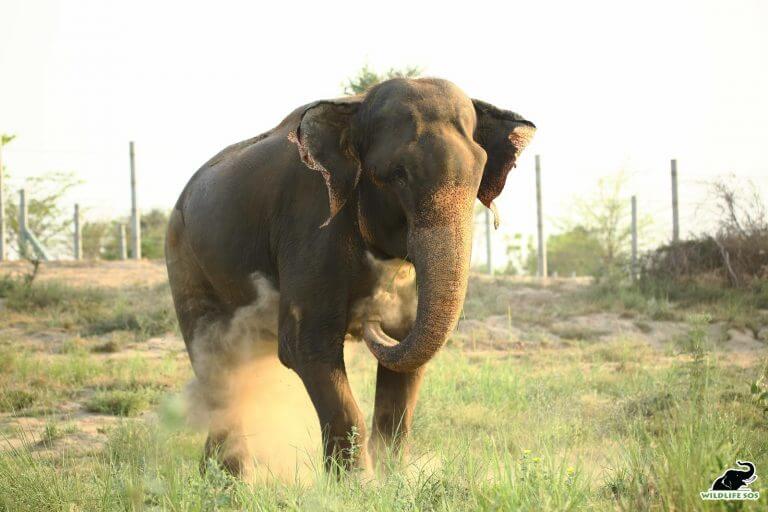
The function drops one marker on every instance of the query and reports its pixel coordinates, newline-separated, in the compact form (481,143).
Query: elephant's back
(225,210)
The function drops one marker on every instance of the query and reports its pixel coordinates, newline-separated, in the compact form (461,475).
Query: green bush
(121,402)
(17,399)
(48,295)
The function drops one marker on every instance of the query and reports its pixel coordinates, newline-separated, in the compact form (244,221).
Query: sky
(612,86)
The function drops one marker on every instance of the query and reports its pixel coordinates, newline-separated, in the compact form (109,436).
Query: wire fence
(507,250)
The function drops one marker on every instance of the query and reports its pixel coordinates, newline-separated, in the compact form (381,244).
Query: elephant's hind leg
(203,321)
(214,393)
(396,396)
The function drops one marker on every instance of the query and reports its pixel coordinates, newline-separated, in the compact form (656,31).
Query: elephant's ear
(322,136)
(503,135)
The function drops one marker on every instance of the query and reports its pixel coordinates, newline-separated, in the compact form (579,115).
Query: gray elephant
(735,479)
(307,214)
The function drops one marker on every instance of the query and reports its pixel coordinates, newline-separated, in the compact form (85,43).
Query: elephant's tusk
(495,211)
(375,336)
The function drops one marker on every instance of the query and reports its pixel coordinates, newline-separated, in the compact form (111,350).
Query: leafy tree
(153,226)
(576,251)
(47,217)
(605,214)
(4,139)
(100,240)
(367,78)
(516,262)
(595,239)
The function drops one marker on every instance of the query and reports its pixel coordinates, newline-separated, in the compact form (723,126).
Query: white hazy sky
(612,85)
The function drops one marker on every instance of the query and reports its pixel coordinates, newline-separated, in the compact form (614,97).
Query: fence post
(2,209)
(22,224)
(541,268)
(25,235)
(135,215)
(488,249)
(78,241)
(634,239)
(121,240)
(675,212)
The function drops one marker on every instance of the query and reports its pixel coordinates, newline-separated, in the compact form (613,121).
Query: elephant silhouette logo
(735,479)
(733,484)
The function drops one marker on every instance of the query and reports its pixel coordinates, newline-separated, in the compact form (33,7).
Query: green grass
(119,402)
(55,430)
(16,399)
(588,425)
(560,429)
(29,381)
(741,308)
(143,311)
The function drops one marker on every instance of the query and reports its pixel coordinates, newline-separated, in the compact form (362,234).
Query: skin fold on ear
(503,135)
(323,140)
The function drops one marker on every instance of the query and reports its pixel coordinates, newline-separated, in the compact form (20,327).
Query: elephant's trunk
(440,253)
(750,472)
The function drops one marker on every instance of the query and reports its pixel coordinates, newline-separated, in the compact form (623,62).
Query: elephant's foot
(387,448)
(347,450)
(227,448)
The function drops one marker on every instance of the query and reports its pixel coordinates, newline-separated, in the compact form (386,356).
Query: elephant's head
(414,154)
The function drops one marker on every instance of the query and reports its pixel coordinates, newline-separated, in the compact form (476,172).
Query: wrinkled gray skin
(393,173)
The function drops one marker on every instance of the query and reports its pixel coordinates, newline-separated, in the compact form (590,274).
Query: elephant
(734,479)
(306,215)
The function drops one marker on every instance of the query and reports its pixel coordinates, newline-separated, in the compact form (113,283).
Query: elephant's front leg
(312,344)
(396,396)
(341,422)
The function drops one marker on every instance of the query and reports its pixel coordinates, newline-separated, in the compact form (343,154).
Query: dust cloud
(258,410)
(255,406)
(393,300)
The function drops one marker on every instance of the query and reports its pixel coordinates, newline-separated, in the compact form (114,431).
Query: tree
(47,218)
(516,261)
(576,251)
(100,240)
(153,226)
(596,238)
(605,214)
(367,78)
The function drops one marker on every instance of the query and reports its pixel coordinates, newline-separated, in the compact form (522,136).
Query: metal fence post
(121,240)
(675,212)
(22,224)
(135,215)
(634,239)
(541,269)
(488,248)
(3,250)
(78,241)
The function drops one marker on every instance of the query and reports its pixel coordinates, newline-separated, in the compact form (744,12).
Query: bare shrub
(735,252)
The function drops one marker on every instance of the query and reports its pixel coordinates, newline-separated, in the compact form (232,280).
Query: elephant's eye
(399,176)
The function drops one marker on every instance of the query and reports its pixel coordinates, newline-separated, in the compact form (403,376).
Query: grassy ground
(566,397)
